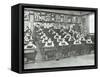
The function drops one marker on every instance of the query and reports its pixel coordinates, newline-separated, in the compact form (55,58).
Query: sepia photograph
(58,38)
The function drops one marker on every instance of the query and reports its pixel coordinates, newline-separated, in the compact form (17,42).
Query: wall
(5,39)
(85,24)
(91,23)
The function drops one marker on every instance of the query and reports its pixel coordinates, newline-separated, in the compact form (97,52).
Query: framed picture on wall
(53,38)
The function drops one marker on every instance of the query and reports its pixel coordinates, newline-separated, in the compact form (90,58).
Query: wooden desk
(58,52)
(29,55)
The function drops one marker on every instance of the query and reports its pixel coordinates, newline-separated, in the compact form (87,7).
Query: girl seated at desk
(30,52)
(45,39)
(88,40)
(44,35)
(49,43)
(62,42)
(56,36)
(30,45)
(76,42)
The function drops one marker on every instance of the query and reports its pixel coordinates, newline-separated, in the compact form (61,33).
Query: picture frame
(30,14)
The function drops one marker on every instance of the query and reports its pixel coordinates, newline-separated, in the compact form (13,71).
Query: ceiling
(61,11)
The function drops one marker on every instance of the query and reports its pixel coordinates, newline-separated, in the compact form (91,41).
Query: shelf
(56,22)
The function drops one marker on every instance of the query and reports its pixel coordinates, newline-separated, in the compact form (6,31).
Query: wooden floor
(67,62)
